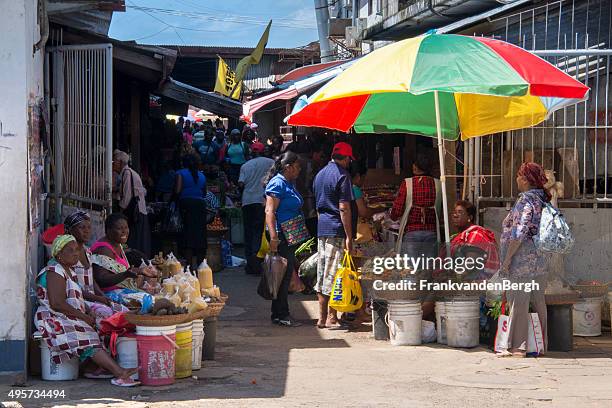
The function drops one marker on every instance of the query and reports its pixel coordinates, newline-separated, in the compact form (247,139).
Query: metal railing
(574,142)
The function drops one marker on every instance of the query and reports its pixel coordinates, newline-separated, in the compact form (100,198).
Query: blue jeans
(420,243)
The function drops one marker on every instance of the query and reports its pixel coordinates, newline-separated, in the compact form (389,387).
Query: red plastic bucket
(156,354)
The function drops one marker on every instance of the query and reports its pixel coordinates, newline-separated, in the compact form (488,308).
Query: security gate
(82,109)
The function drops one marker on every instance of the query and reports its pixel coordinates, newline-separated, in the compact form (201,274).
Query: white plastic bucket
(404,320)
(463,323)
(587,317)
(441,321)
(155,331)
(196,345)
(50,371)
(127,353)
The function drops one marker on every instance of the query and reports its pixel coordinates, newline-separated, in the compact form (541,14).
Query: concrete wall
(21,84)
(592,254)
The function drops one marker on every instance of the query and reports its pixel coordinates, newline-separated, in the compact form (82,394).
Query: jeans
(280,306)
(420,243)
(253,218)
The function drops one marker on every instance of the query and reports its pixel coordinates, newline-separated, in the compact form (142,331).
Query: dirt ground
(261,365)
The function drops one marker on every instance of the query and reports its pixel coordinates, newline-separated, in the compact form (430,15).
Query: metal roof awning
(295,88)
(209,101)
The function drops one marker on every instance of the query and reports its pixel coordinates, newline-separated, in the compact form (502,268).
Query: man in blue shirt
(333,195)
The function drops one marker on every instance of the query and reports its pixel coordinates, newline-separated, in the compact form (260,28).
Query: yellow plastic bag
(264,247)
(346,293)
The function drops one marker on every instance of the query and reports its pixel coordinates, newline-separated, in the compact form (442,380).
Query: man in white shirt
(252,178)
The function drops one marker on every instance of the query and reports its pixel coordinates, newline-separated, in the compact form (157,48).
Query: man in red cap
(333,194)
(251,181)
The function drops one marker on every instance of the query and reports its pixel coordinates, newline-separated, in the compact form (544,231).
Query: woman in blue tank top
(191,190)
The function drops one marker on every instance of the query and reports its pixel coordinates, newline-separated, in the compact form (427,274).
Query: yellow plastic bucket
(183,354)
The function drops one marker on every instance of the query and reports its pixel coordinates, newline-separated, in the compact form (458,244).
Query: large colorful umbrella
(441,85)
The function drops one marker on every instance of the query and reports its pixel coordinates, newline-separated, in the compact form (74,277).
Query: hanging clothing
(66,337)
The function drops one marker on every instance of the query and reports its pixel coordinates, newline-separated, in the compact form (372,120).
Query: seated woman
(111,269)
(473,241)
(78,224)
(63,320)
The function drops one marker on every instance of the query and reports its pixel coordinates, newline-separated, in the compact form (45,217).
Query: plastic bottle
(205,275)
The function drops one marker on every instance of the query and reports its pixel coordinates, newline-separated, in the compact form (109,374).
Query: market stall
(447,87)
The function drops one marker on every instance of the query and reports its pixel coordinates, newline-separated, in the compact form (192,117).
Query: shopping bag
(535,338)
(264,247)
(503,331)
(274,269)
(296,285)
(173,221)
(346,293)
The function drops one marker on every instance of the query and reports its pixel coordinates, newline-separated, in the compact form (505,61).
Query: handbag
(295,230)
(132,211)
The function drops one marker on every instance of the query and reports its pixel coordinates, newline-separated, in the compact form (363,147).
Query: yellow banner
(253,59)
(226,81)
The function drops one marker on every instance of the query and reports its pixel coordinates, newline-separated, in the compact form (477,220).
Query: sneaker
(289,322)
(275,320)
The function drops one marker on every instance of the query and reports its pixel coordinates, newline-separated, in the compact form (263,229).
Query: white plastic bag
(502,337)
(535,338)
(428,332)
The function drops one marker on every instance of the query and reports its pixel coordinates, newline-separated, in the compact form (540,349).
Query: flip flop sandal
(120,382)
(98,374)
(503,354)
(337,326)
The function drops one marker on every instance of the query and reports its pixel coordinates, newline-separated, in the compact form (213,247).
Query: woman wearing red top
(421,235)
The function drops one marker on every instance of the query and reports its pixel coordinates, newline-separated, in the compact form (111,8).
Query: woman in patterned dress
(63,319)
(521,262)
(78,224)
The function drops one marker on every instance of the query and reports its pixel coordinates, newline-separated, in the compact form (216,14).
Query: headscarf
(60,242)
(75,219)
(534,174)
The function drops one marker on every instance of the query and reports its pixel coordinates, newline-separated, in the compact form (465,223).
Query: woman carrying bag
(286,226)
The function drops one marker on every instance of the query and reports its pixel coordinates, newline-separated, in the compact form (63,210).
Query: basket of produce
(156,321)
(591,289)
(216,227)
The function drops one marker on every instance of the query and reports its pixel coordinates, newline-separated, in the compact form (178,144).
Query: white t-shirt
(253,174)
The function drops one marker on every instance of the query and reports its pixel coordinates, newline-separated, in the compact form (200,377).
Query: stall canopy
(294,88)
(217,104)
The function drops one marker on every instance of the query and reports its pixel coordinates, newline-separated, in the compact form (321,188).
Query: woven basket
(591,291)
(157,321)
(200,314)
(214,309)
(562,298)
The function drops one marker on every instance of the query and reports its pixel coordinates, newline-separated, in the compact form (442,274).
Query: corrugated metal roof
(204,50)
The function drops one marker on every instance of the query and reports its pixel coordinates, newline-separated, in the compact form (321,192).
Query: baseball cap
(344,149)
(258,147)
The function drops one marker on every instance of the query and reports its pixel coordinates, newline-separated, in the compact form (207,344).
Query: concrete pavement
(261,365)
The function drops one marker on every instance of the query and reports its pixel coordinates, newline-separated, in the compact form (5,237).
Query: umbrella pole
(442,170)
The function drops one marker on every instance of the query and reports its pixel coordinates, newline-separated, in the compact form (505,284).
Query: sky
(216,22)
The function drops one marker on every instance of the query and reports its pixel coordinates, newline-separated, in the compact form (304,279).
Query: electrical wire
(294,24)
